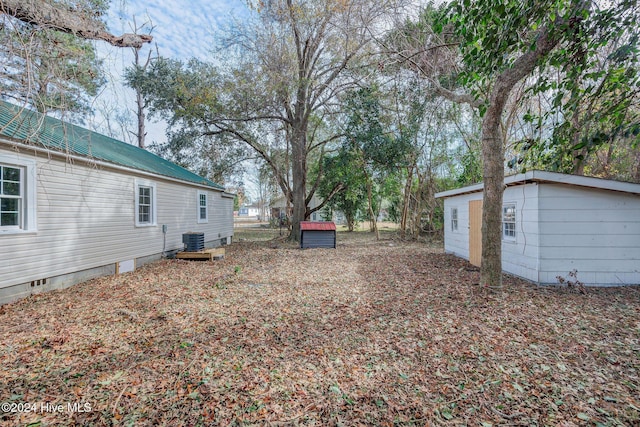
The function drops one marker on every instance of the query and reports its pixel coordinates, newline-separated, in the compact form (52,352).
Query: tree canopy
(277,89)
(52,71)
(477,52)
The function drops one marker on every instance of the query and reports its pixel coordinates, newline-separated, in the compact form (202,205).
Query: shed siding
(86,219)
(318,239)
(457,241)
(595,232)
(519,257)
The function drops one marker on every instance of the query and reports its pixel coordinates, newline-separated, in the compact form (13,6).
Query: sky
(182,29)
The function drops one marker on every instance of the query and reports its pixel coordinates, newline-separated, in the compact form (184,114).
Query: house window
(145,203)
(454,219)
(203,211)
(145,196)
(509,221)
(17,194)
(11,194)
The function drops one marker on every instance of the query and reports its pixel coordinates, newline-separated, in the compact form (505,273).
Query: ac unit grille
(193,242)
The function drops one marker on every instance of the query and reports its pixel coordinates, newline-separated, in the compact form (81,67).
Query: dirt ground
(379,333)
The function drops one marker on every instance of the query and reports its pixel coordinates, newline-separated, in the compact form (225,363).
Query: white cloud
(183,29)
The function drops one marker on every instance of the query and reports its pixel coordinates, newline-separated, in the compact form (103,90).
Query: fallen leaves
(367,334)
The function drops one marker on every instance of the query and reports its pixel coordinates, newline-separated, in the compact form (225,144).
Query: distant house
(279,208)
(553,224)
(250,211)
(76,205)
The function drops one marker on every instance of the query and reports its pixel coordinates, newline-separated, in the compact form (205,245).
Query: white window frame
(28,194)
(508,233)
(202,194)
(143,183)
(454,219)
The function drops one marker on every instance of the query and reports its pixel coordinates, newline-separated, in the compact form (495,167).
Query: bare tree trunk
(373,224)
(578,160)
(142,133)
(636,166)
(417,208)
(140,113)
(372,216)
(140,102)
(430,199)
(350,221)
(607,165)
(406,201)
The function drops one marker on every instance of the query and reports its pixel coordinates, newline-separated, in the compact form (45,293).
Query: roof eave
(106,164)
(553,178)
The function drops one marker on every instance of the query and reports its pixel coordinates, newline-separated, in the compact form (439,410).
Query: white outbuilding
(75,205)
(553,224)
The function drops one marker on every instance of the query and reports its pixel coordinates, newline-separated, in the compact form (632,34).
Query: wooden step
(208,254)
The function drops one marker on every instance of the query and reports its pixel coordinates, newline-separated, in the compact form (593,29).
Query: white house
(279,206)
(76,205)
(553,224)
(254,210)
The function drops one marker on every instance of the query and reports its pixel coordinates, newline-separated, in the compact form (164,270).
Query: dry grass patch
(373,333)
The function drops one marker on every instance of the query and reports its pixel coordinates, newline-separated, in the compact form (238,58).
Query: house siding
(86,220)
(595,232)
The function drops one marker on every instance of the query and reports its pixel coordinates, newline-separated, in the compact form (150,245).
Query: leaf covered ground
(372,333)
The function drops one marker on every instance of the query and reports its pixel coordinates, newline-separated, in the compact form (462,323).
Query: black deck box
(320,234)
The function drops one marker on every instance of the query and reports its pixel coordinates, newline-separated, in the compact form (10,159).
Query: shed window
(203,212)
(145,203)
(454,219)
(509,221)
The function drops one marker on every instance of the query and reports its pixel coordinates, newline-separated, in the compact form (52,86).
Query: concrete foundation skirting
(23,290)
(63,281)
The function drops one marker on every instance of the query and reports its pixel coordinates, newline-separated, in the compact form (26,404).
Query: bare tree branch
(338,187)
(43,13)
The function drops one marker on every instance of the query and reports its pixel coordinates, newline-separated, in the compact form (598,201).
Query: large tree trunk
(77,22)
(299,175)
(493,171)
(493,158)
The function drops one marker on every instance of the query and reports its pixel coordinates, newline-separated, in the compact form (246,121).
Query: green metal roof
(37,129)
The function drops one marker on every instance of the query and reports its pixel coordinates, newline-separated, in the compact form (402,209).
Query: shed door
(475,232)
